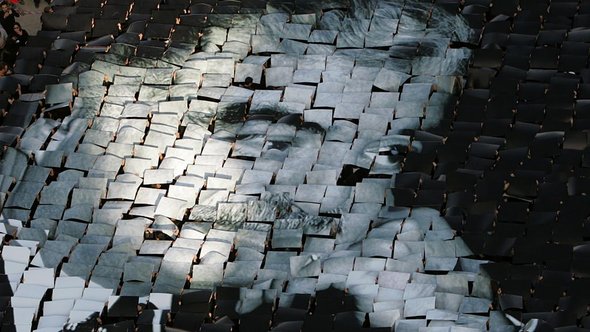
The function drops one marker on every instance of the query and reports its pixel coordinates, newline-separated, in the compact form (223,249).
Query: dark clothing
(13,44)
(8,21)
(21,40)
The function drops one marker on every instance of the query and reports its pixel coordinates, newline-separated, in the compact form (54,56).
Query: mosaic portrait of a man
(243,156)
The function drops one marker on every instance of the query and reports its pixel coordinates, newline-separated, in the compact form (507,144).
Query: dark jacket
(20,40)
(8,21)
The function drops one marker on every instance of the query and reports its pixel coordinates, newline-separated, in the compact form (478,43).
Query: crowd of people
(12,35)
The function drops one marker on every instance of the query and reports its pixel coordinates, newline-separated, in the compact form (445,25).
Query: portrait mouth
(243,159)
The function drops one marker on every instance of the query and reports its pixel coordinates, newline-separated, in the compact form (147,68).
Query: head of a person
(3,69)
(361,75)
(4,6)
(17,28)
(358,75)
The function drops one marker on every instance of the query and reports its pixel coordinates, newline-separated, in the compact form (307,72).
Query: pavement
(30,17)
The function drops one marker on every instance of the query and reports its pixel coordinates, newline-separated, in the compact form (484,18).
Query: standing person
(7,17)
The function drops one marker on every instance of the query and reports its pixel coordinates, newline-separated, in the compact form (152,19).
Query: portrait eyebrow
(238,164)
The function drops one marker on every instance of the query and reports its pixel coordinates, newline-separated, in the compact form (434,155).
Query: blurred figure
(7,18)
(20,36)
(17,39)
(3,38)
(4,71)
(248,83)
